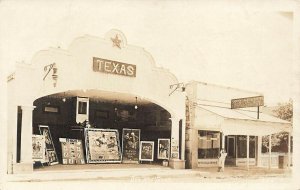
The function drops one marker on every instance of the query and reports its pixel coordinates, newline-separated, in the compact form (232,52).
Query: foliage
(279,141)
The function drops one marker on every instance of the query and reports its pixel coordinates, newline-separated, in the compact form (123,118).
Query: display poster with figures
(146,150)
(163,149)
(102,146)
(72,151)
(51,155)
(130,145)
(38,148)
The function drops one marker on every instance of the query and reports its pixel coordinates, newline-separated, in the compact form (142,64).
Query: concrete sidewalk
(149,173)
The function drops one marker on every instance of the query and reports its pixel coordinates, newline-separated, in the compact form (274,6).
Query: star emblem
(116,41)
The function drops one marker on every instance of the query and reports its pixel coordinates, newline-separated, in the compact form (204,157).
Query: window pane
(242,146)
(82,107)
(252,143)
(208,144)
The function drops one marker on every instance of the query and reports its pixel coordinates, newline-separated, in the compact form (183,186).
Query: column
(26,135)
(247,152)
(175,138)
(289,151)
(270,150)
(223,141)
(259,144)
(174,161)
(183,140)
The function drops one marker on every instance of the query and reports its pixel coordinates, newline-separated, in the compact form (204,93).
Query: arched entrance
(108,76)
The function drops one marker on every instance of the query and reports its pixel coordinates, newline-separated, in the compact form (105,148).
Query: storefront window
(242,146)
(208,144)
(82,108)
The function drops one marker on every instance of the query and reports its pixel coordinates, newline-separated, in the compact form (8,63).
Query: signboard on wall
(102,145)
(72,151)
(146,150)
(131,145)
(113,67)
(51,155)
(247,102)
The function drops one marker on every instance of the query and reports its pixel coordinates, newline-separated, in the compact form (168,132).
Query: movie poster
(102,146)
(38,148)
(146,150)
(131,145)
(163,149)
(72,151)
(51,156)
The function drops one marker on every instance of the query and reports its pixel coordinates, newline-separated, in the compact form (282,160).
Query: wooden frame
(163,149)
(102,146)
(146,150)
(51,155)
(130,145)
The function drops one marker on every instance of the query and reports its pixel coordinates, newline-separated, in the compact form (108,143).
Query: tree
(280,140)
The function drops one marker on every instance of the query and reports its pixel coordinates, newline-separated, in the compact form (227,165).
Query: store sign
(113,67)
(247,102)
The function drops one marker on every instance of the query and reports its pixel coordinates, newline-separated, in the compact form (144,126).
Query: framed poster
(130,145)
(146,150)
(38,148)
(102,145)
(50,149)
(72,151)
(163,149)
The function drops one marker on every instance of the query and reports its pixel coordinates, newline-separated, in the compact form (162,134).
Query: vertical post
(247,152)
(289,151)
(259,144)
(257,112)
(26,135)
(183,140)
(270,150)
(223,141)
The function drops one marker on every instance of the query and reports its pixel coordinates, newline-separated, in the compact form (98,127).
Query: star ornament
(116,41)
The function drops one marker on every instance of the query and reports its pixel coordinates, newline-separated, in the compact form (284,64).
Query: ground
(128,176)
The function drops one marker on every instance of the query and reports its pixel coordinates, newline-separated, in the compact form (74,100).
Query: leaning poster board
(163,149)
(51,155)
(102,145)
(72,151)
(146,150)
(130,145)
(38,148)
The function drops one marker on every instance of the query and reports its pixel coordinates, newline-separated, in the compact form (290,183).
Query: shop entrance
(120,113)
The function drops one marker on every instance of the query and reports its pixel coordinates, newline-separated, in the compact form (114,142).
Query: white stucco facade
(75,72)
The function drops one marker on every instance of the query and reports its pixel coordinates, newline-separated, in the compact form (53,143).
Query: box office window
(242,146)
(208,144)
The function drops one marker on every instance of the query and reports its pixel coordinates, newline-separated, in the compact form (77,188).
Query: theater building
(107,84)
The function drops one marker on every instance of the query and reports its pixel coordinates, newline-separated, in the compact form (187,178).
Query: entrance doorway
(230,147)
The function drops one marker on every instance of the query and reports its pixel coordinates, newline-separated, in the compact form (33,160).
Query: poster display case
(51,156)
(146,150)
(102,146)
(39,148)
(130,145)
(163,149)
(72,151)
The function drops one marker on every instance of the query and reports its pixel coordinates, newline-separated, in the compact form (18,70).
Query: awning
(238,121)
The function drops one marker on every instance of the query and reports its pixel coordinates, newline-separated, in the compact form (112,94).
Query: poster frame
(87,148)
(138,149)
(43,147)
(152,152)
(48,150)
(168,152)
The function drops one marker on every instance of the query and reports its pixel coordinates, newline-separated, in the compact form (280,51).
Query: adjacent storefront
(223,118)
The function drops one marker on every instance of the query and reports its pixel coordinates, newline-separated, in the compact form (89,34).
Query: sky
(231,44)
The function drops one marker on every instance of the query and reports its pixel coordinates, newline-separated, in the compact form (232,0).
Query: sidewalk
(143,172)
